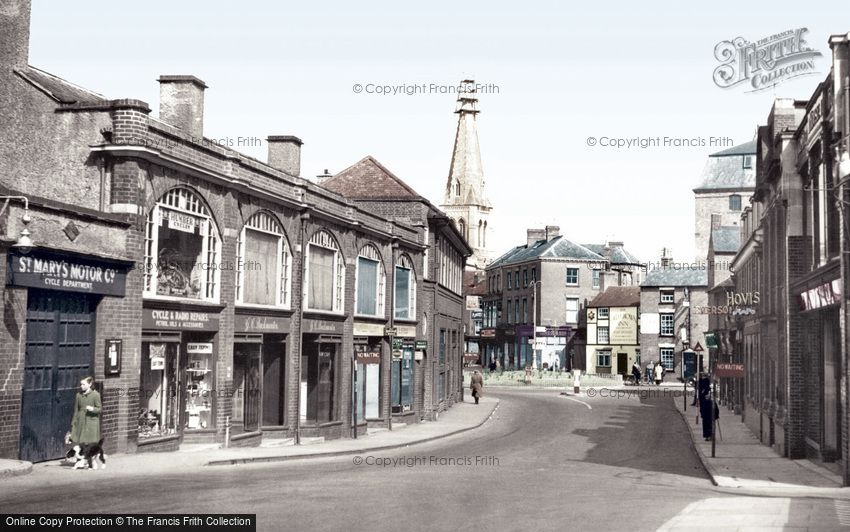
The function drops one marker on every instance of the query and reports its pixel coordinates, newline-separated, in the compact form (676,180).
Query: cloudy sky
(556,75)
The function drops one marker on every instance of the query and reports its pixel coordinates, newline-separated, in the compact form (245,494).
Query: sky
(554,74)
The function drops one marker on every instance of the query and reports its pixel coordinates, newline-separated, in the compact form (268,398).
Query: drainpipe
(305,217)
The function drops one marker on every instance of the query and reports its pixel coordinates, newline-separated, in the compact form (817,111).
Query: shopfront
(368,348)
(63,295)
(321,356)
(177,393)
(402,384)
(259,362)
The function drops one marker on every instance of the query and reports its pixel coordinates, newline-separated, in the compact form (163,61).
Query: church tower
(465,199)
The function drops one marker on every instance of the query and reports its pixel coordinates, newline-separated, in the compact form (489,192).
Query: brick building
(546,284)
(435,368)
(199,286)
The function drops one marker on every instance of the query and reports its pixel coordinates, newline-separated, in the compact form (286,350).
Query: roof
(684,276)
(471,287)
(559,247)
(64,92)
(747,148)
(369,179)
(617,296)
(726,239)
(725,170)
(619,255)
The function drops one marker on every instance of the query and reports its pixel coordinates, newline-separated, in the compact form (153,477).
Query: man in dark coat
(707,408)
(477,385)
(636,373)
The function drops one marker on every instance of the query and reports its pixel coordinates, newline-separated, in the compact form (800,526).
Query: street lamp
(534,285)
(24,243)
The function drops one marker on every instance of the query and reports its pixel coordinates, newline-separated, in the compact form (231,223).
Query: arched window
(484,236)
(457,188)
(264,263)
(182,248)
(325,274)
(461,226)
(480,233)
(405,289)
(371,283)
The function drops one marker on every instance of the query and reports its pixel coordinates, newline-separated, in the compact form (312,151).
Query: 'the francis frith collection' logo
(766,62)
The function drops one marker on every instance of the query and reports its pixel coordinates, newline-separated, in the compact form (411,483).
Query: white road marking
(582,402)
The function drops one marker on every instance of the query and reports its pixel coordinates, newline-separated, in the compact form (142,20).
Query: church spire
(465,198)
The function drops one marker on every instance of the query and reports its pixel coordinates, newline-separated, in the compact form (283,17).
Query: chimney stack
(715,221)
(552,231)
(321,178)
(534,235)
(666,261)
(181,103)
(14,33)
(285,154)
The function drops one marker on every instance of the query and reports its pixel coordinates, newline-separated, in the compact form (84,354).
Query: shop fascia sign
(828,293)
(65,273)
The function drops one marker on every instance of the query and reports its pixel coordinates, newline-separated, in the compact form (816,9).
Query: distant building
(726,184)
(671,301)
(546,283)
(465,200)
(613,321)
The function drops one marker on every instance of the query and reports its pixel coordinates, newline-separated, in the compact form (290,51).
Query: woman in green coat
(85,427)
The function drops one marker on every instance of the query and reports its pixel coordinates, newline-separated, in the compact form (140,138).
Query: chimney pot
(15,31)
(285,154)
(181,103)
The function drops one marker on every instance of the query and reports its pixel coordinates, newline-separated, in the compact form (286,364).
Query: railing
(543,378)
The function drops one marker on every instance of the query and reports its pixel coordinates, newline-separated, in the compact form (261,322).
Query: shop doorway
(59,353)
(246,387)
(273,384)
(318,382)
(622,363)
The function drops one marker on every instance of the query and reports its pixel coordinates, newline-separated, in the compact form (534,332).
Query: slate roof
(369,179)
(559,247)
(62,91)
(726,239)
(619,255)
(725,170)
(684,276)
(617,296)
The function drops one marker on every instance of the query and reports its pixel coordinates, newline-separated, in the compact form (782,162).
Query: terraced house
(208,293)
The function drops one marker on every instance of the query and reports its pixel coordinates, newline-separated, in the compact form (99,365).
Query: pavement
(461,417)
(743,465)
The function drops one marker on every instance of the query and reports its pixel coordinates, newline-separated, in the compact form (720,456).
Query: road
(543,462)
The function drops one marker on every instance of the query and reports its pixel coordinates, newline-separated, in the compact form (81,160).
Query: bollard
(576,383)
(227,432)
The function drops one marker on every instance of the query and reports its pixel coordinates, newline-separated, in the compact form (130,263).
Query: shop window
(325,274)
(159,393)
(182,249)
(367,381)
(371,282)
(402,383)
(199,385)
(441,387)
(442,346)
(318,369)
(264,263)
(405,289)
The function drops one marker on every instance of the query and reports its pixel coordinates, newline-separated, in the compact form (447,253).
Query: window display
(159,392)
(199,385)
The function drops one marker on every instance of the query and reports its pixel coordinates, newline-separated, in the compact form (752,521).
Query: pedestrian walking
(477,385)
(636,373)
(492,365)
(650,372)
(708,409)
(85,425)
(659,373)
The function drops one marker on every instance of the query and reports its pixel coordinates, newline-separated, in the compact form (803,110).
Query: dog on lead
(87,455)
